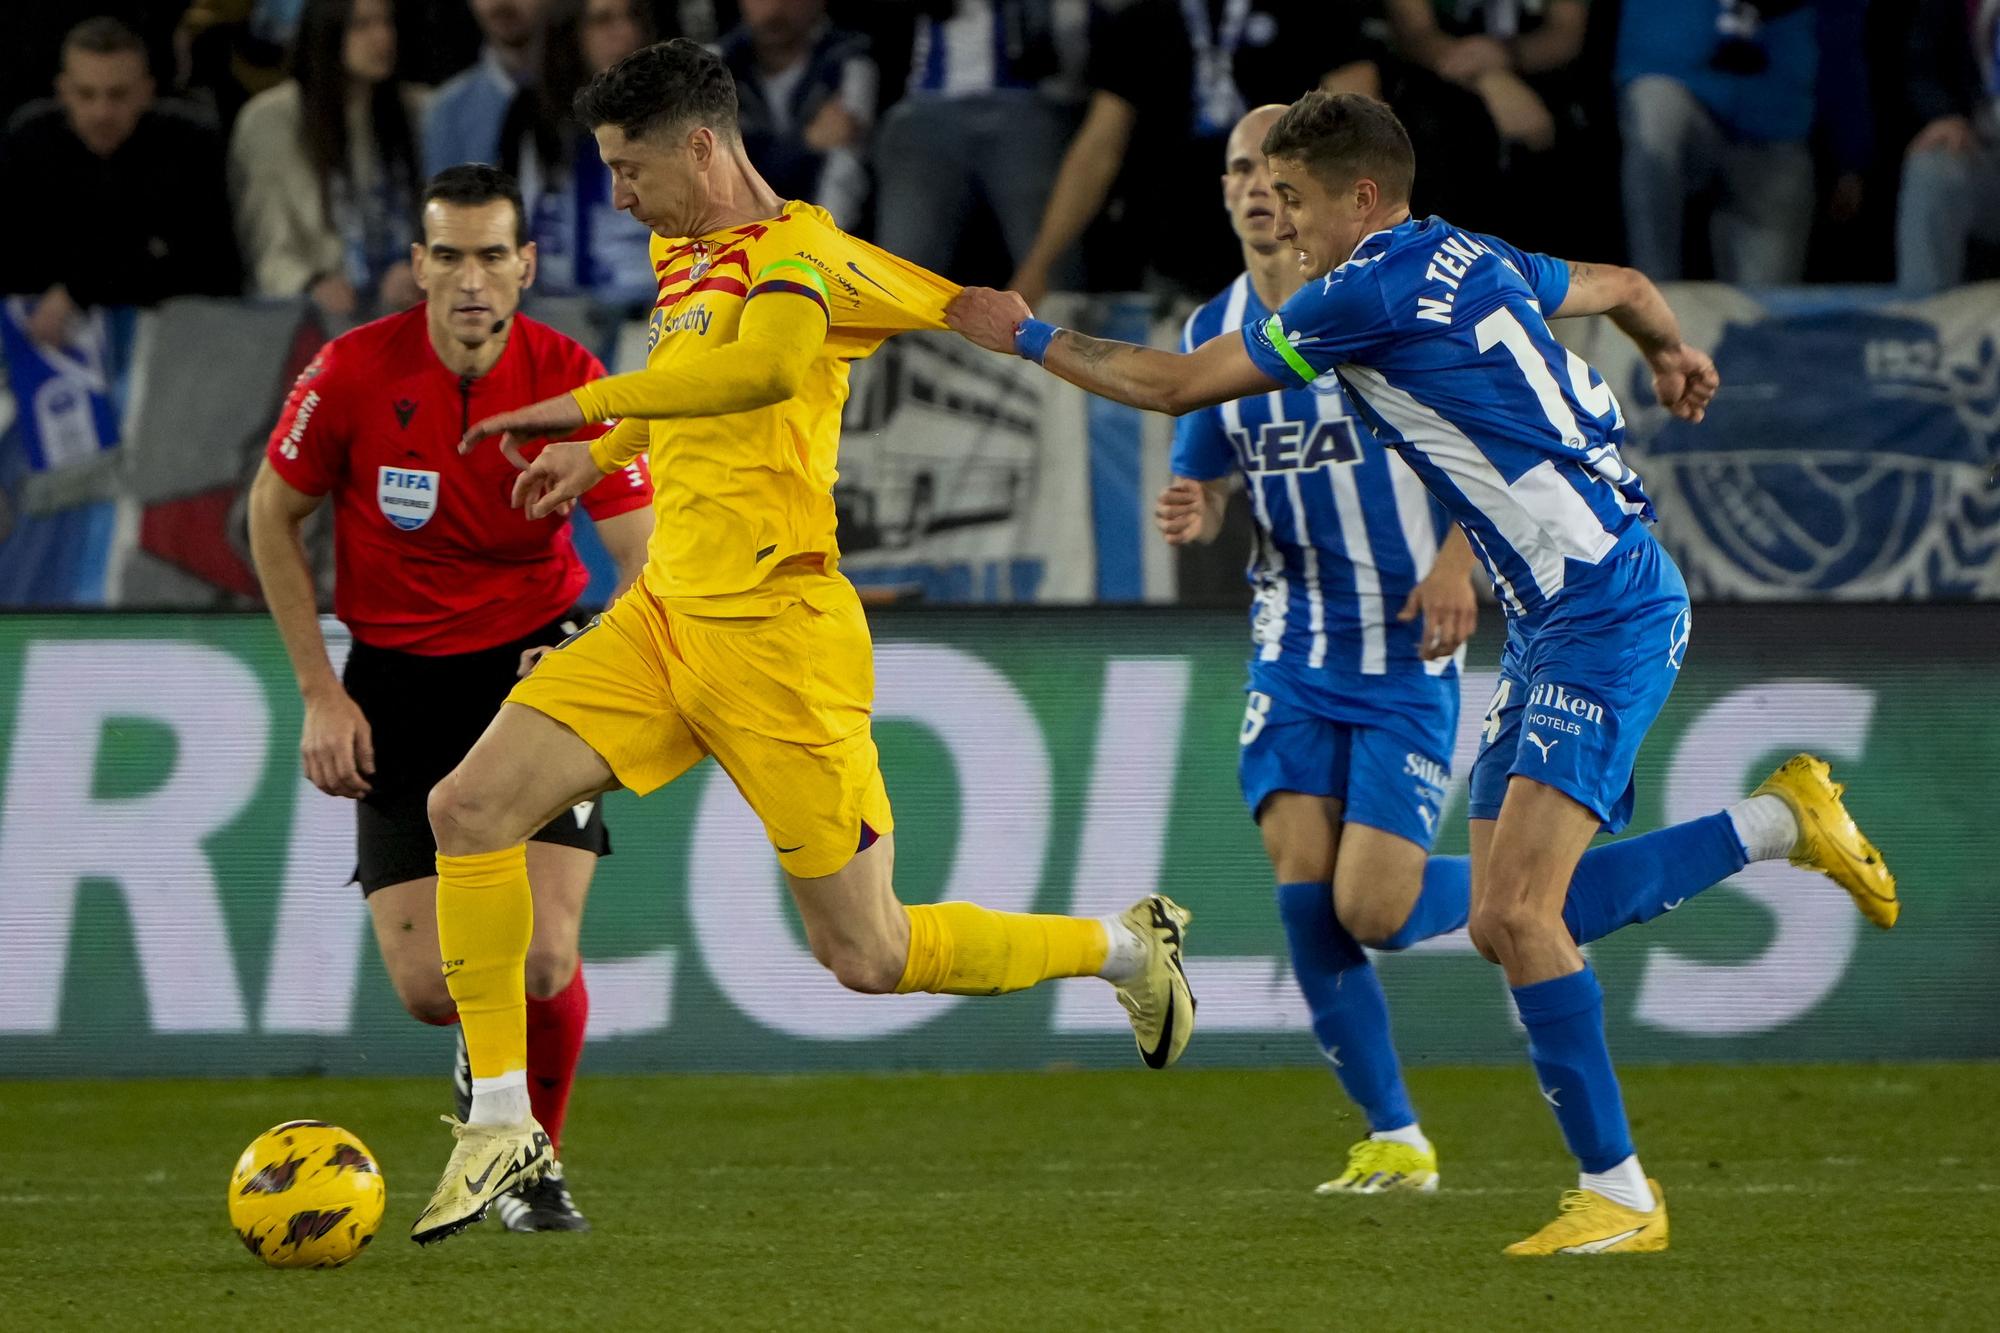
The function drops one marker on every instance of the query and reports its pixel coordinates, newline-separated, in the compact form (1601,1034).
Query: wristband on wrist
(1032,338)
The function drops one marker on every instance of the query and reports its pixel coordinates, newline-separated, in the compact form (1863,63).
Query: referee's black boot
(541,1205)
(461,1079)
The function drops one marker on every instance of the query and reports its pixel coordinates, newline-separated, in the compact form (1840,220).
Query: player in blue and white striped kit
(1358,617)
(1441,340)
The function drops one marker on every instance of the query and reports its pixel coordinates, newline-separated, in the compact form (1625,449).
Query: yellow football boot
(1829,842)
(1592,1224)
(1157,999)
(1378,1166)
(486,1162)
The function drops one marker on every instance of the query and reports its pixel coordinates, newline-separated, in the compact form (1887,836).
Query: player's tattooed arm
(1683,376)
(1629,297)
(1218,371)
(1095,353)
(1142,377)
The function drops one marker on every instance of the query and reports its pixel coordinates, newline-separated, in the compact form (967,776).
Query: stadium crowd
(275,147)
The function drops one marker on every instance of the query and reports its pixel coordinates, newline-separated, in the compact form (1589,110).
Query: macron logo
(1557,699)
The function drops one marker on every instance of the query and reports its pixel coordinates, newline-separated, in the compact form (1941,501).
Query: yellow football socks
(485,915)
(965,949)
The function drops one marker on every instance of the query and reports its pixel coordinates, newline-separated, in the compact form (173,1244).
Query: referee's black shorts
(424,714)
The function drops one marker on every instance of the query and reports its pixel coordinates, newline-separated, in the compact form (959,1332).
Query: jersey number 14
(1502,328)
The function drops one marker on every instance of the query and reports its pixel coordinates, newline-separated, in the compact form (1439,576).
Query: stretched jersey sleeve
(308,446)
(1201,446)
(869,292)
(1546,276)
(1340,318)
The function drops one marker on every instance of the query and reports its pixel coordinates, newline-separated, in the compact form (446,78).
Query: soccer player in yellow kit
(742,640)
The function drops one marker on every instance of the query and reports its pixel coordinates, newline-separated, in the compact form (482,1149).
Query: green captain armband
(1274,334)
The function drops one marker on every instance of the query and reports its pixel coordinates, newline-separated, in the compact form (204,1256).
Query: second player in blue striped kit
(1361,602)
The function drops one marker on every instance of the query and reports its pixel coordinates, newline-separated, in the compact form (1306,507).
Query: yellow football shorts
(781,701)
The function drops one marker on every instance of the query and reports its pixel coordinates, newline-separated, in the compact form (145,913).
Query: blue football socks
(1350,1016)
(1565,1022)
(1624,883)
(1441,907)
(1617,885)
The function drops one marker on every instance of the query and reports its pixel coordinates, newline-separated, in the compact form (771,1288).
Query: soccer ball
(306,1194)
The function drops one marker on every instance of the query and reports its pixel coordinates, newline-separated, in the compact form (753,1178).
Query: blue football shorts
(1581,681)
(1381,779)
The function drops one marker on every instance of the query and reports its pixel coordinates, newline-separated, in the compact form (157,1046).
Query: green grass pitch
(1863,1197)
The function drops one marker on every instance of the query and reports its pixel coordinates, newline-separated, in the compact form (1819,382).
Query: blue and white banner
(1853,453)
(63,394)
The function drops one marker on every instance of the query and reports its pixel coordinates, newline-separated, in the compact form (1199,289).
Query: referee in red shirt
(450,594)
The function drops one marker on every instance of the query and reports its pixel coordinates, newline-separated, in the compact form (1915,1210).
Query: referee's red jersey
(428,555)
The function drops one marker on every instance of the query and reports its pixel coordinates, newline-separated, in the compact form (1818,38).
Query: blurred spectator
(1951,174)
(1513,53)
(111,198)
(698,20)
(34,32)
(1719,98)
(435,39)
(1518,70)
(584,245)
(465,119)
(807,100)
(323,167)
(230,50)
(603,34)
(980,127)
(1169,78)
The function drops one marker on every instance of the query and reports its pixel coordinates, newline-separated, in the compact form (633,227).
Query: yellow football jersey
(736,496)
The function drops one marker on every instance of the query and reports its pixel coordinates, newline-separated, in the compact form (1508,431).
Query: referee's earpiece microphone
(499,327)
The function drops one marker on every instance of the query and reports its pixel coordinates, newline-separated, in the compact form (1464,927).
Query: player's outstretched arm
(1145,377)
(776,341)
(1683,376)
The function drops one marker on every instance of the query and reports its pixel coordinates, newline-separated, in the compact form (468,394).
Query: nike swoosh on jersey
(856,270)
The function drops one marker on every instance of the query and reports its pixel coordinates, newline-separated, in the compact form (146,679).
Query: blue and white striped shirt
(1440,338)
(1344,532)
(980,48)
